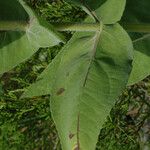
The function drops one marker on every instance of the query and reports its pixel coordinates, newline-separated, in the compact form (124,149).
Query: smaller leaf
(17,46)
(111,11)
(108,11)
(141,62)
(138,12)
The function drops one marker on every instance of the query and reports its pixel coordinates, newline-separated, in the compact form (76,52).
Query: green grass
(27,123)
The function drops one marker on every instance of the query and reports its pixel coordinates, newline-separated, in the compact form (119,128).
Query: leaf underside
(87,76)
(90,82)
(84,81)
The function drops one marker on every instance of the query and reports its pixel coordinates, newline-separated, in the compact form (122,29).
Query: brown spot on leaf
(60,91)
(71,135)
(76,148)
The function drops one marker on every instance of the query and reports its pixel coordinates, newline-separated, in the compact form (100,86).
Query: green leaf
(141,60)
(111,11)
(17,46)
(86,79)
(91,75)
(138,12)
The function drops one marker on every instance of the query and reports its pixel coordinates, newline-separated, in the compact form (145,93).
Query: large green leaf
(138,12)
(86,79)
(17,46)
(90,77)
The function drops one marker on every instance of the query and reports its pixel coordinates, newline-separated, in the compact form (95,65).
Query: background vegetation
(27,124)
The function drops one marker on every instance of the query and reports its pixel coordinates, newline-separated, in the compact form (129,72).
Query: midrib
(96,37)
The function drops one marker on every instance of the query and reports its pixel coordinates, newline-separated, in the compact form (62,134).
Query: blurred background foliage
(26,124)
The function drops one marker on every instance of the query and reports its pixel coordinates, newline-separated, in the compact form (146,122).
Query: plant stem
(13,25)
(141,28)
(77,27)
(22,26)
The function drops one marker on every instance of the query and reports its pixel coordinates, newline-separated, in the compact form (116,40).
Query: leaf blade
(141,61)
(111,11)
(87,102)
(38,34)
